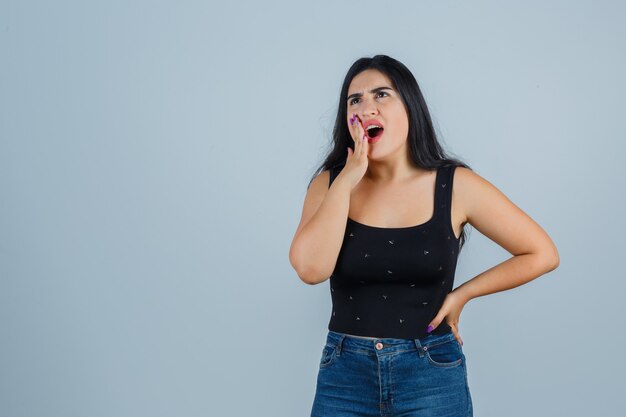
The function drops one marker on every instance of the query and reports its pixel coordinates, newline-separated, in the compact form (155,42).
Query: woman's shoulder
(326,176)
(468,179)
(321,181)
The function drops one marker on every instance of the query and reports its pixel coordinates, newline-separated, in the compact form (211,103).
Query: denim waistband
(385,345)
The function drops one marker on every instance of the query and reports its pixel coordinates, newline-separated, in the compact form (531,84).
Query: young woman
(384,221)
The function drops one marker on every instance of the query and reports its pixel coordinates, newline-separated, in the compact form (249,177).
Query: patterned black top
(391,282)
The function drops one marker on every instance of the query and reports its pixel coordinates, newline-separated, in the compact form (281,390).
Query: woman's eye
(380,92)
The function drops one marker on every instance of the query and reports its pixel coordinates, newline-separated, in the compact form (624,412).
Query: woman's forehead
(367,80)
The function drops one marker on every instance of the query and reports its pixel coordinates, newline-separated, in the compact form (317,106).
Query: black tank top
(391,282)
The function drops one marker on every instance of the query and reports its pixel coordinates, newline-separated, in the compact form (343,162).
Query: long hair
(424,148)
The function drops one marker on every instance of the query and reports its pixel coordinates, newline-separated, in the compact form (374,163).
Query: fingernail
(430,328)
(351,121)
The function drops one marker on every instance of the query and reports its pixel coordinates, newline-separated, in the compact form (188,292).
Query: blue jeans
(392,377)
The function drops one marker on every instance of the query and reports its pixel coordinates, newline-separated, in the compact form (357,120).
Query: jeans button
(379,346)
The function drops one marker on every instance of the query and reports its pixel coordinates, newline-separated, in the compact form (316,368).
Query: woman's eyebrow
(373,90)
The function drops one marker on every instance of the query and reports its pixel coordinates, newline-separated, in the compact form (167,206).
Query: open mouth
(374,132)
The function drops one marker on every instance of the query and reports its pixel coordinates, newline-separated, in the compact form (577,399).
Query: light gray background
(154,159)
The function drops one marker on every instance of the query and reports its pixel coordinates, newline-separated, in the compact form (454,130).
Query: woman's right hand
(356,163)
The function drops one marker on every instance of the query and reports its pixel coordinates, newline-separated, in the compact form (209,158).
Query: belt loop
(420,349)
(339,344)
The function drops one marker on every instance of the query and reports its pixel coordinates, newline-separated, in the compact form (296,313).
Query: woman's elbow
(550,258)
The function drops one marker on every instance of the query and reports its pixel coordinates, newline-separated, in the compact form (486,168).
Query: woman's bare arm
(489,211)
(318,238)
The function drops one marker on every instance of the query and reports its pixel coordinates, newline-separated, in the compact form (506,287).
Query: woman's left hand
(450,311)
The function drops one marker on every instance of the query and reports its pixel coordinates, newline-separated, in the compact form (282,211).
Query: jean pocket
(444,354)
(328,356)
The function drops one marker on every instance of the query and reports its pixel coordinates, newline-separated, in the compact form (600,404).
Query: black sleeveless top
(391,282)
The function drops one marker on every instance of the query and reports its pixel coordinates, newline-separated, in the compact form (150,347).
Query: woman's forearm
(513,272)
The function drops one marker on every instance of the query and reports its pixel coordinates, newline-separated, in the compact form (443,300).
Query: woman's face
(371,96)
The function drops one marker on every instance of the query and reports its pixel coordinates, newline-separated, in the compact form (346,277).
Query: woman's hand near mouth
(356,163)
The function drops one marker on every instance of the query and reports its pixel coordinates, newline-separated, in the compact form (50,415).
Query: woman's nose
(369,107)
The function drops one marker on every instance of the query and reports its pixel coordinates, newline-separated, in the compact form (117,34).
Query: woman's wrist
(462,291)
